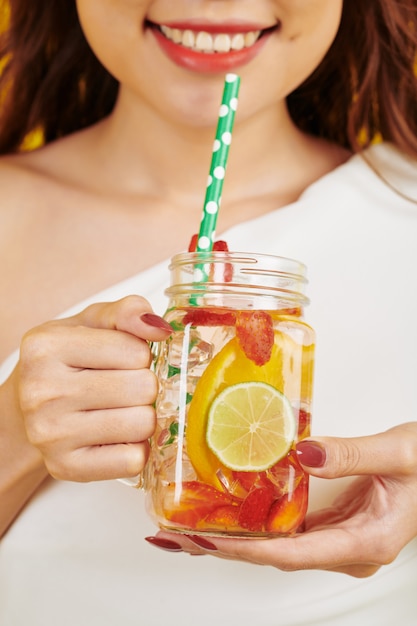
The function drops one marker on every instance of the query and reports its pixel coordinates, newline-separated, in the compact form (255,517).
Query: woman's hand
(86,391)
(366,526)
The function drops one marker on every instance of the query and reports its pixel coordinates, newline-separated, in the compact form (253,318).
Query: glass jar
(235,392)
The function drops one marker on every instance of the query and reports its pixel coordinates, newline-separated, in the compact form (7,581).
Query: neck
(155,155)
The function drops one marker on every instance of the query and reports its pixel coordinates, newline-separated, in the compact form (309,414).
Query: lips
(211,43)
(209,48)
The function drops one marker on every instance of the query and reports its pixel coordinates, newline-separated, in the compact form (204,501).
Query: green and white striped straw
(218,164)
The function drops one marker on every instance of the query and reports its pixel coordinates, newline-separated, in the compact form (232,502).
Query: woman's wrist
(22,469)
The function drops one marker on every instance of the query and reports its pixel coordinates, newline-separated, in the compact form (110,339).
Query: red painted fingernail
(311,453)
(157,322)
(201,542)
(164,544)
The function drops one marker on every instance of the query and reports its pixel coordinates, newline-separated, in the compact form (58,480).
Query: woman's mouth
(209,43)
(209,48)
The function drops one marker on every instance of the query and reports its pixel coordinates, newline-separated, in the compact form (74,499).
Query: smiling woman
(126,94)
(341,110)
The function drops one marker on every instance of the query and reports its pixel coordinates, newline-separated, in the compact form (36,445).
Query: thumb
(393,452)
(132,314)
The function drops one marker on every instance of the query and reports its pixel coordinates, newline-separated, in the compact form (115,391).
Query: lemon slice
(251,426)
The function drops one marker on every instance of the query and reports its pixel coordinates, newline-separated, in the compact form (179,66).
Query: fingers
(64,373)
(93,428)
(75,343)
(83,347)
(87,390)
(333,550)
(391,453)
(93,444)
(116,388)
(115,408)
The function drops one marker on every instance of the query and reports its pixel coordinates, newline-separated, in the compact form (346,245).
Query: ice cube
(174,395)
(175,466)
(188,349)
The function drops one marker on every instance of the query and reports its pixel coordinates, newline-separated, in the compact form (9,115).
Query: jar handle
(138,482)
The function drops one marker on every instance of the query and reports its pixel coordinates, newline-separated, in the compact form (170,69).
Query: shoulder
(38,178)
(382,175)
(16,176)
(22,190)
(46,166)
(18,185)
(394,168)
(22,176)
(31,193)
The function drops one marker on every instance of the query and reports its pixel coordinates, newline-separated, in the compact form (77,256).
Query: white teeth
(204,41)
(188,39)
(250,38)
(208,43)
(176,35)
(222,43)
(238,41)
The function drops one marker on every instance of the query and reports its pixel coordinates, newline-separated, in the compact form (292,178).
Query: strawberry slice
(209,317)
(223,518)
(195,502)
(192,246)
(255,332)
(287,514)
(218,246)
(249,480)
(255,508)
(221,246)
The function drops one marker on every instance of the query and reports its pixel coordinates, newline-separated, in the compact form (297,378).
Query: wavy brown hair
(365,85)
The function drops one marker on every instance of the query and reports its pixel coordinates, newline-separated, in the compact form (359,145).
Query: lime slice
(250,427)
(289,370)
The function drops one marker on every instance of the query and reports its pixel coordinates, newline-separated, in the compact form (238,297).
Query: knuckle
(60,469)
(70,464)
(37,392)
(38,351)
(36,344)
(347,456)
(34,394)
(131,302)
(41,432)
(37,432)
(135,302)
(30,396)
(53,469)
